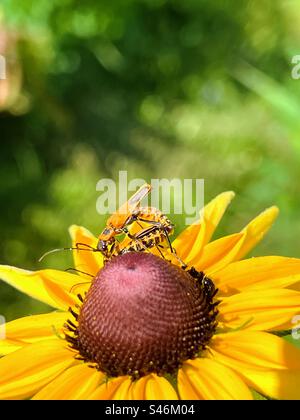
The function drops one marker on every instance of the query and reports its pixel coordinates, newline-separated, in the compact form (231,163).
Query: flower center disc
(142,315)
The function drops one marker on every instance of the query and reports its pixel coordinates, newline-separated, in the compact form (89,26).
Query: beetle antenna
(78,284)
(52,251)
(79,271)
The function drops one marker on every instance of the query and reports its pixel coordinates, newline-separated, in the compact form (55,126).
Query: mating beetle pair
(158,231)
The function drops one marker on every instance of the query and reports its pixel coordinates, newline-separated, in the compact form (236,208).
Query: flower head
(145,328)
(142,315)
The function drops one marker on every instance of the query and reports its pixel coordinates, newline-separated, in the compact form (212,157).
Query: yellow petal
(153,387)
(249,238)
(216,251)
(210,219)
(260,310)
(205,379)
(150,387)
(190,242)
(49,286)
(113,389)
(258,273)
(26,371)
(123,392)
(76,383)
(256,230)
(31,329)
(295,286)
(85,260)
(267,363)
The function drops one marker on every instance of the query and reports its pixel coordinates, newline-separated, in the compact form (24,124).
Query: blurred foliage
(162,89)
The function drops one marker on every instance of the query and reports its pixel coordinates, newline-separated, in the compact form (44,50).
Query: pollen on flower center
(141,315)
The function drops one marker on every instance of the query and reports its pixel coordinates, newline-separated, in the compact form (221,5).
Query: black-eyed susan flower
(144,328)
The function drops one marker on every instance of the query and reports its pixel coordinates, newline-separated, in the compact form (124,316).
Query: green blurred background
(162,89)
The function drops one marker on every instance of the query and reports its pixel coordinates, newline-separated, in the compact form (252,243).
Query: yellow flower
(257,296)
